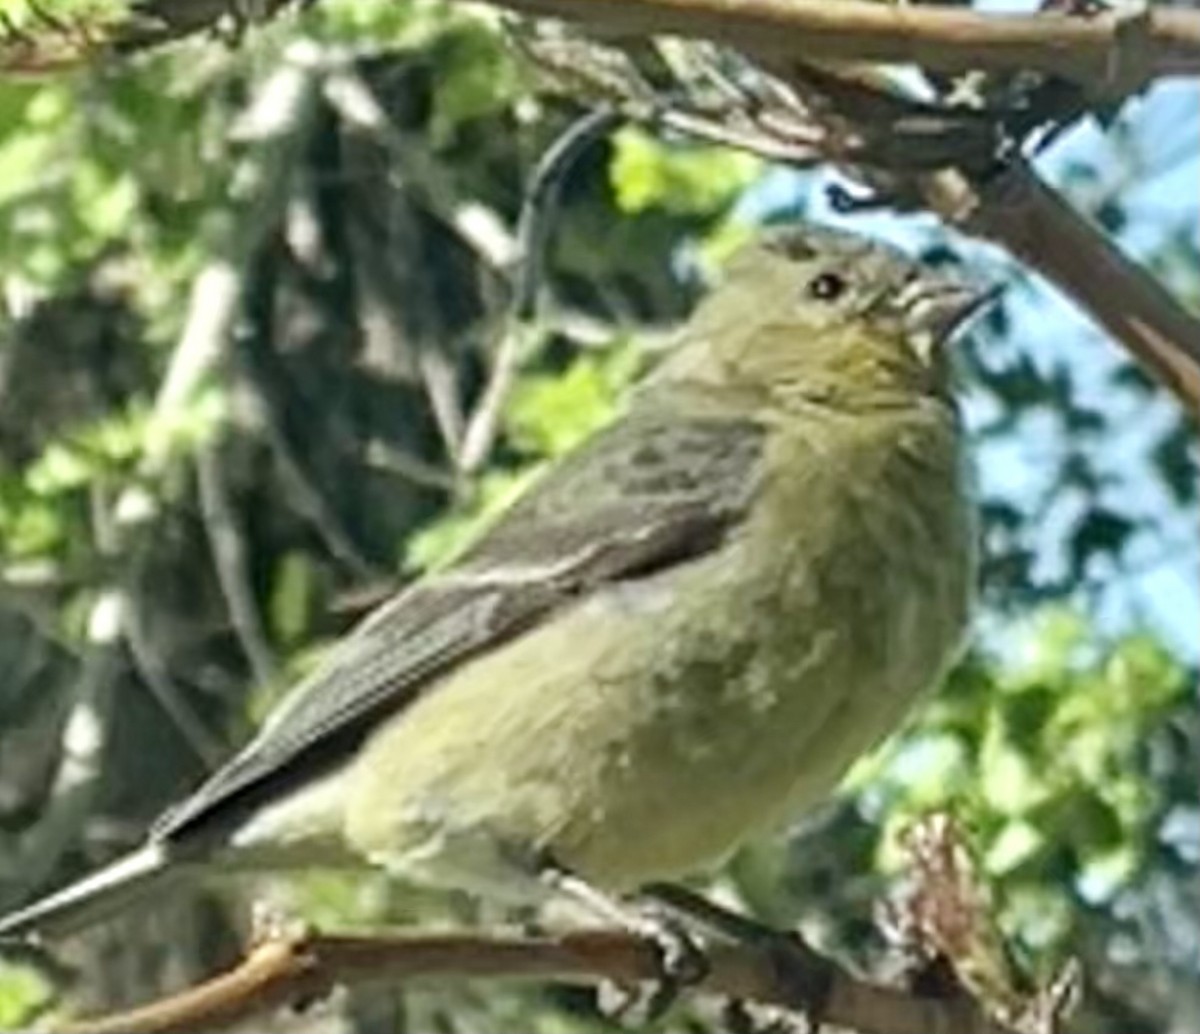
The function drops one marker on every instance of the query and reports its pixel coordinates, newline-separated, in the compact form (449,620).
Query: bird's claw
(681,963)
(680,960)
(805,976)
(742,1017)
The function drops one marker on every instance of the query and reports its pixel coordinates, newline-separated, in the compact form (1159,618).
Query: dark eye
(826,287)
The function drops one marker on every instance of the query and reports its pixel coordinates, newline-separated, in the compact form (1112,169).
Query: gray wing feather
(639,497)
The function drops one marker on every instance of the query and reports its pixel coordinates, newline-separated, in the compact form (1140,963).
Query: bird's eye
(826,287)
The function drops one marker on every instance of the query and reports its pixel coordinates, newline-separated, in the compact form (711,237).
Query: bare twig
(540,205)
(945,918)
(722,98)
(160,21)
(229,561)
(157,679)
(280,972)
(520,330)
(275,126)
(381,455)
(265,389)
(479,227)
(1107,51)
(416,167)
(44,42)
(76,780)
(440,380)
(1034,224)
(275,123)
(987,191)
(85,732)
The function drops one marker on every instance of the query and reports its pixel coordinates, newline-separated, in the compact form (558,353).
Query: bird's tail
(92,898)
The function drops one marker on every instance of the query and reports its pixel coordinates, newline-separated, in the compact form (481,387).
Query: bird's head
(821,315)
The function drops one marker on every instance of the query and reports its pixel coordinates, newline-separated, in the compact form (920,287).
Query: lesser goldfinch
(683,633)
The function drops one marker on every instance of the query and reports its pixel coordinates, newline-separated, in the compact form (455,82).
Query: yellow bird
(682,635)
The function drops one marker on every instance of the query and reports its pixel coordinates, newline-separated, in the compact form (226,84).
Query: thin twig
(759,113)
(85,732)
(521,332)
(1038,227)
(981,187)
(156,677)
(381,455)
(229,561)
(70,803)
(540,203)
(274,125)
(479,227)
(1105,50)
(265,388)
(439,377)
(416,167)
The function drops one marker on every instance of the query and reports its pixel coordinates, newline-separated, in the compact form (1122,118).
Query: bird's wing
(643,495)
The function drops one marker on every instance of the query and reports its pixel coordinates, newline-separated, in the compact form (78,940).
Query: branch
(1106,50)
(1012,207)
(984,190)
(231,564)
(521,331)
(280,972)
(275,129)
(1037,226)
(155,674)
(1110,51)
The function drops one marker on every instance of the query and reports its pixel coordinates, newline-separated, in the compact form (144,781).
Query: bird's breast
(783,657)
(646,731)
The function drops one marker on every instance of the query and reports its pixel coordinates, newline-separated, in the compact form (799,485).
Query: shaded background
(250,296)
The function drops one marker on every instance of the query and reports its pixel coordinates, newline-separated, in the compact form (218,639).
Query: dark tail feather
(92,898)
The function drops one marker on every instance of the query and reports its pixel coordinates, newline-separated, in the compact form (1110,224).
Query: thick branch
(1104,50)
(279,972)
(1107,50)
(1035,225)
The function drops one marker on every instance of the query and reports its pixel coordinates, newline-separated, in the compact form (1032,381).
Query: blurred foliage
(1070,764)
(139,647)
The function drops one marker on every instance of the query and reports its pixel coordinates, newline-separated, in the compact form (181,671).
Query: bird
(677,639)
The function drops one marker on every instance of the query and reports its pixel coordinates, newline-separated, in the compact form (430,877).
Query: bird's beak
(939,307)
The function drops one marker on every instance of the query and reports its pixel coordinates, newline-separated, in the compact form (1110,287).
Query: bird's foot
(806,977)
(681,963)
(742,1017)
(681,959)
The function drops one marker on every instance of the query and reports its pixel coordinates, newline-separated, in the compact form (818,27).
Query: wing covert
(643,495)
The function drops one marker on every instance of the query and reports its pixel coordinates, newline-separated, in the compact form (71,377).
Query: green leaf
(1016,843)
(550,413)
(293,598)
(23,991)
(646,173)
(442,541)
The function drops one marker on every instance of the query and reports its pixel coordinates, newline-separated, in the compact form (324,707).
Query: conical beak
(940,307)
